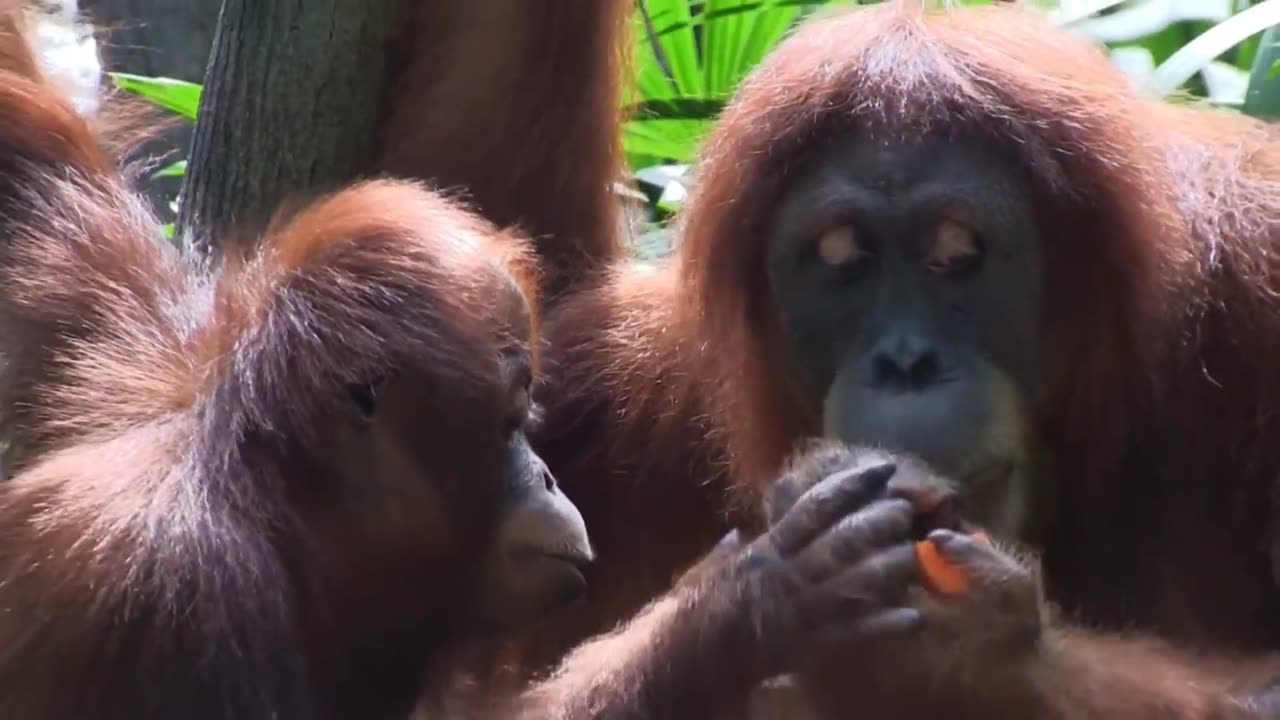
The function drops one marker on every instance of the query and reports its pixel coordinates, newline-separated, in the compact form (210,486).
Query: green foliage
(1213,42)
(692,54)
(1262,99)
(178,96)
(690,57)
(177,169)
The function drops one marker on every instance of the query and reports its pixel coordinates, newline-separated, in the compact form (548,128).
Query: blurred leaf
(721,42)
(651,80)
(685,108)
(736,41)
(178,96)
(727,9)
(1262,99)
(177,169)
(671,21)
(673,197)
(1225,84)
(691,56)
(1134,61)
(660,175)
(1141,20)
(1206,48)
(664,140)
(1066,12)
(1166,42)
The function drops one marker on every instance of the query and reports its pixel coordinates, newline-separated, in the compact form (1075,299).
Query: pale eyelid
(952,240)
(956,246)
(839,245)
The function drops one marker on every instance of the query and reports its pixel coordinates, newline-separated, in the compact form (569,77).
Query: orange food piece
(940,575)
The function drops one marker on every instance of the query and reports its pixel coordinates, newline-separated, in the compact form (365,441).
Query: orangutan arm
(1081,674)
(821,573)
(996,652)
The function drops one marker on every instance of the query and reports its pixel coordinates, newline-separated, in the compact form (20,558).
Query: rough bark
(290,108)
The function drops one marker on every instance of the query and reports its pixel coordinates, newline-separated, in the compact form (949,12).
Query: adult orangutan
(299,487)
(965,236)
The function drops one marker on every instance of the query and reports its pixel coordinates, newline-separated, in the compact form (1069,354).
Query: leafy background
(691,55)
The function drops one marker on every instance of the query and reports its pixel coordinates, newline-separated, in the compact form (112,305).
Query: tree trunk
(290,108)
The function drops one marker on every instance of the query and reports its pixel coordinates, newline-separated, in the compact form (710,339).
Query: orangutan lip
(579,562)
(575,560)
(959,510)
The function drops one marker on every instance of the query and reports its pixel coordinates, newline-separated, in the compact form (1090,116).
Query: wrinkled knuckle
(821,497)
(844,482)
(858,474)
(879,569)
(903,554)
(948,540)
(763,579)
(849,526)
(899,512)
(880,466)
(875,525)
(863,476)
(829,561)
(758,559)
(901,505)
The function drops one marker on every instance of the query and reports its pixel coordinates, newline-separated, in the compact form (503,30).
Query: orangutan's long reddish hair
(519,106)
(667,405)
(159,540)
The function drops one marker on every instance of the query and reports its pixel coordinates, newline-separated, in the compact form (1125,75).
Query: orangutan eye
(364,396)
(956,249)
(839,247)
(520,397)
(518,415)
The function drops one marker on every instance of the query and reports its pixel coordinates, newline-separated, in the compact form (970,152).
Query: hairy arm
(653,666)
(1070,671)
(826,570)
(997,649)
(997,652)
(1086,674)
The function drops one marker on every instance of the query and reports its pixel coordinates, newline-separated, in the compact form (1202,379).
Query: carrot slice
(940,575)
